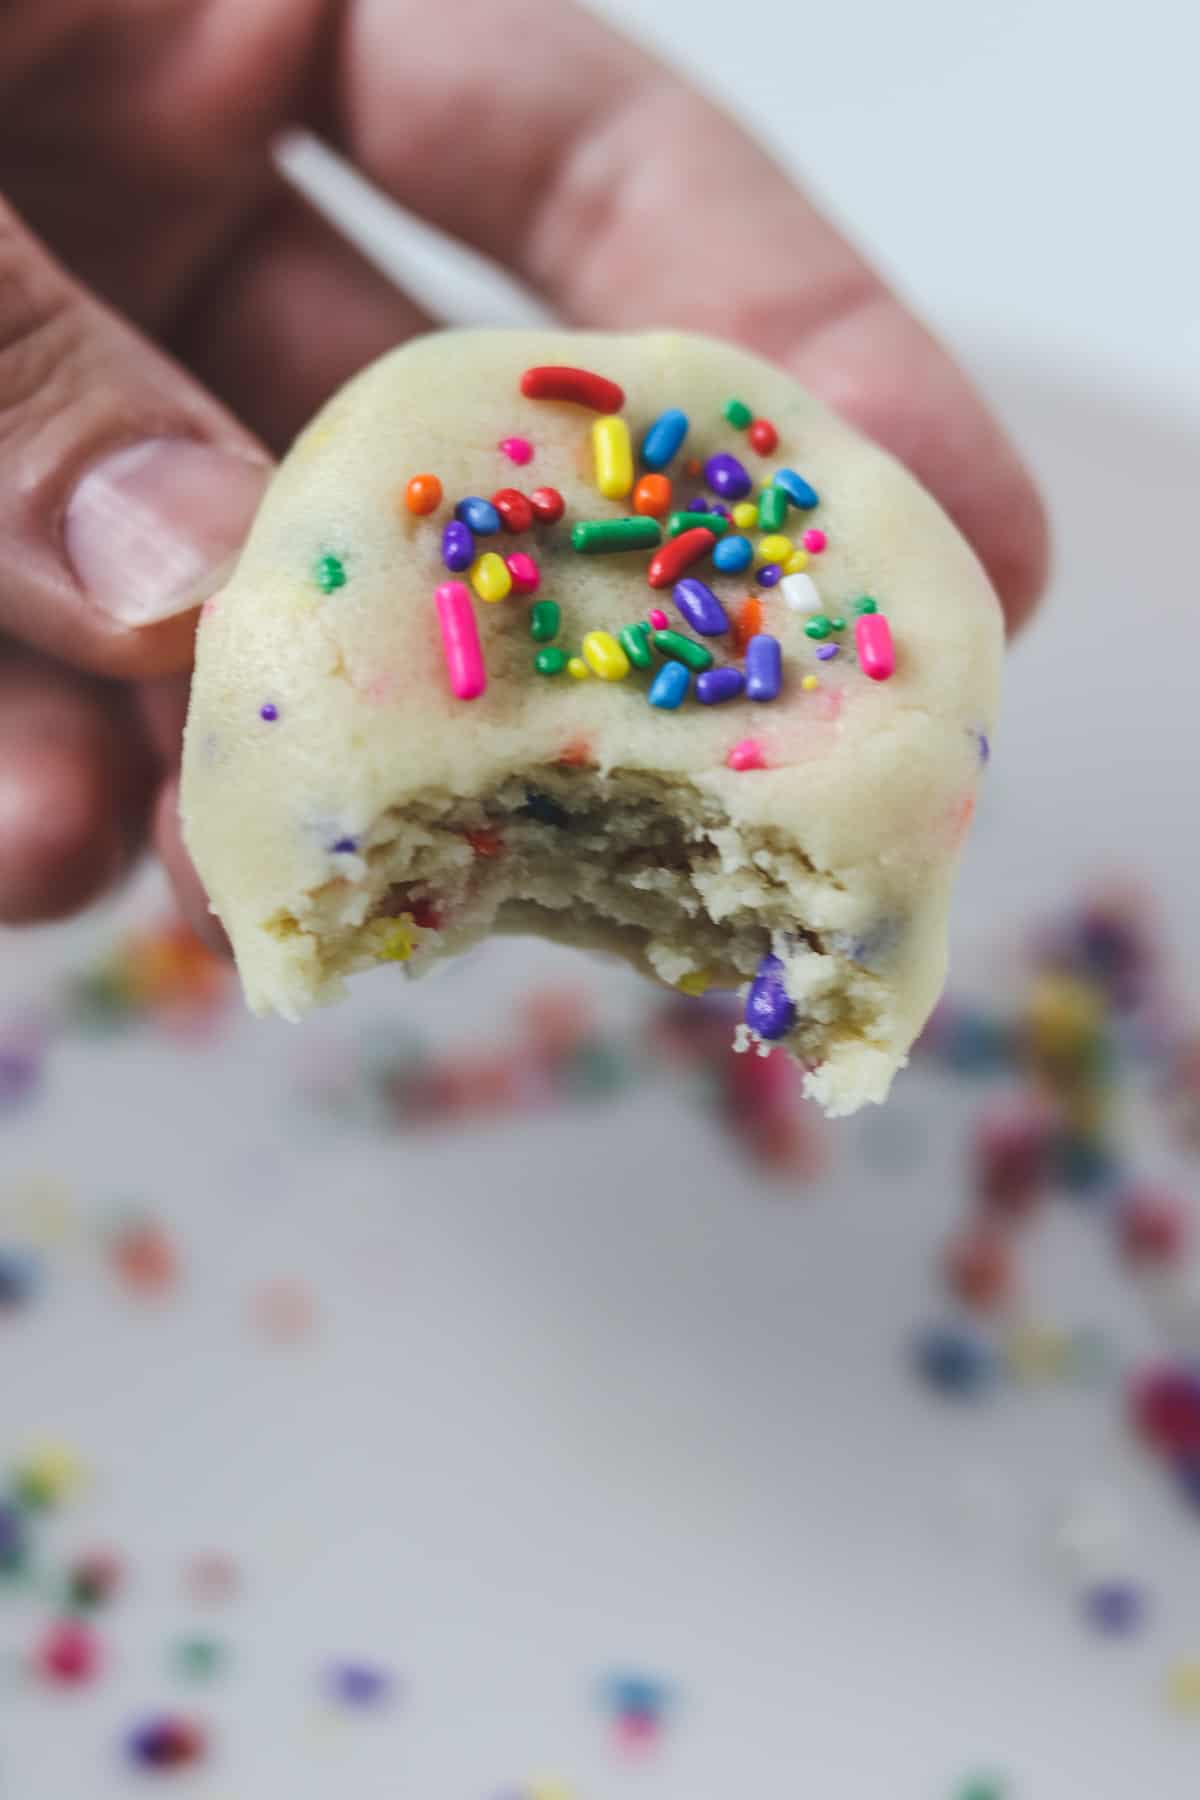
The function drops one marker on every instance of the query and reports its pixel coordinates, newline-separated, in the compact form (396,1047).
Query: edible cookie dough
(625,640)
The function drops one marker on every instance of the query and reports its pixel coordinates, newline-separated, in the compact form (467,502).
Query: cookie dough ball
(624,640)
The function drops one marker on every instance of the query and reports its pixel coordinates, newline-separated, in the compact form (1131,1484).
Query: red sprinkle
(516,512)
(548,505)
(576,755)
(678,554)
(580,386)
(485,842)
(763,437)
(749,754)
(425,915)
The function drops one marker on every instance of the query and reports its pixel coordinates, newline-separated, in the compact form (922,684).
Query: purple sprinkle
(985,749)
(715,686)
(764,667)
(717,507)
(358,1684)
(825,651)
(458,546)
(1116,1607)
(700,607)
(19,1070)
(769,1010)
(699,504)
(768,575)
(345,846)
(726,476)
(269,711)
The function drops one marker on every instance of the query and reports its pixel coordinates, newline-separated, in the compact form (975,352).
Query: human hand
(155,271)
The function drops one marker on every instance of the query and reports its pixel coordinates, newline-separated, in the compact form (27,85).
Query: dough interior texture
(345,809)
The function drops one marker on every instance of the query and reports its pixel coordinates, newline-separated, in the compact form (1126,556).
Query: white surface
(584,1395)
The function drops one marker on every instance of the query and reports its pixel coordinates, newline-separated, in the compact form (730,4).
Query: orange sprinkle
(652,496)
(749,621)
(692,467)
(576,755)
(423,494)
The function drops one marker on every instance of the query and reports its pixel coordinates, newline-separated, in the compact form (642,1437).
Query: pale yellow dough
(379,819)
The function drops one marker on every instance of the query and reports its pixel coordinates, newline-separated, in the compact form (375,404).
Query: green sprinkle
(550,662)
(819,626)
(688,521)
(598,537)
(866,605)
(772,509)
(331,574)
(198,1658)
(738,414)
(837,624)
(683,649)
(545,617)
(635,642)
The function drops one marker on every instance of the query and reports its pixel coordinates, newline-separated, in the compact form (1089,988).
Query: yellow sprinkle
(696,981)
(774,548)
(604,656)
(745,515)
(613,455)
(397,946)
(1037,1353)
(809,683)
(796,563)
(490,577)
(51,1472)
(578,668)
(1183,1686)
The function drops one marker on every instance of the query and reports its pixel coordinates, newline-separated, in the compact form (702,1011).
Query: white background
(584,1394)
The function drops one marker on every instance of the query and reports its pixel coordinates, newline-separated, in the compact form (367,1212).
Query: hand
(154,271)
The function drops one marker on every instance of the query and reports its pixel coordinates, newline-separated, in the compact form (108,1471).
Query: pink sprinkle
(526,576)
(517,449)
(814,540)
(873,640)
(460,640)
(658,619)
(749,754)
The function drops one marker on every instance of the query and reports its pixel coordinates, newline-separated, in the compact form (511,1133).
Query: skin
(143,217)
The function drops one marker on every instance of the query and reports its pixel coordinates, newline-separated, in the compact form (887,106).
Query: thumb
(127,488)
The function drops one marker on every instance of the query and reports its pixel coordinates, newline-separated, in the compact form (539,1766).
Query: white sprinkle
(800,593)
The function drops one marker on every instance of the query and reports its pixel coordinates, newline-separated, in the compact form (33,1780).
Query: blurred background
(490,1390)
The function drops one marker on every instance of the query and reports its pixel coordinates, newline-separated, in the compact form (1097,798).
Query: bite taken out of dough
(769,794)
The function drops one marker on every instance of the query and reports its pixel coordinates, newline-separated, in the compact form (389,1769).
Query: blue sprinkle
(764,667)
(985,748)
(770,1011)
(768,575)
(20,1276)
(1115,1607)
(358,1684)
(699,504)
(715,686)
(732,554)
(955,1361)
(700,607)
(458,546)
(798,491)
(664,438)
(670,686)
(345,846)
(480,516)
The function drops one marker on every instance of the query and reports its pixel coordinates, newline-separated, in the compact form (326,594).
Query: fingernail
(152,530)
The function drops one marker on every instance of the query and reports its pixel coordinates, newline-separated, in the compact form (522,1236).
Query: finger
(189,892)
(75,785)
(126,487)
(587,185)
(297,287)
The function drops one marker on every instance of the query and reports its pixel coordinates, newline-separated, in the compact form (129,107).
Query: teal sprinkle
(331,574)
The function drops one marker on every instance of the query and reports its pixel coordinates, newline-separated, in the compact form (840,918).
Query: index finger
(628,200)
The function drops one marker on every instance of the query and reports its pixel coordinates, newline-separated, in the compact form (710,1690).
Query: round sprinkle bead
(479,515)
(814,540)
(577,668)
(423,495)
(866,605)
(669,687)
(746,755)
(268,711)
(774,548)
(818,627)
(490,577)
(809,683)
(518,450)
(664,439)
(768,575)
(727,477)
(658,619)
(732,554)
(604,656)
(738,414)
(796,562)
(763,437)
(526,576)
(458,546)
(548,505)
(551,661)
(745,515)
(652,496)
(516,514)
